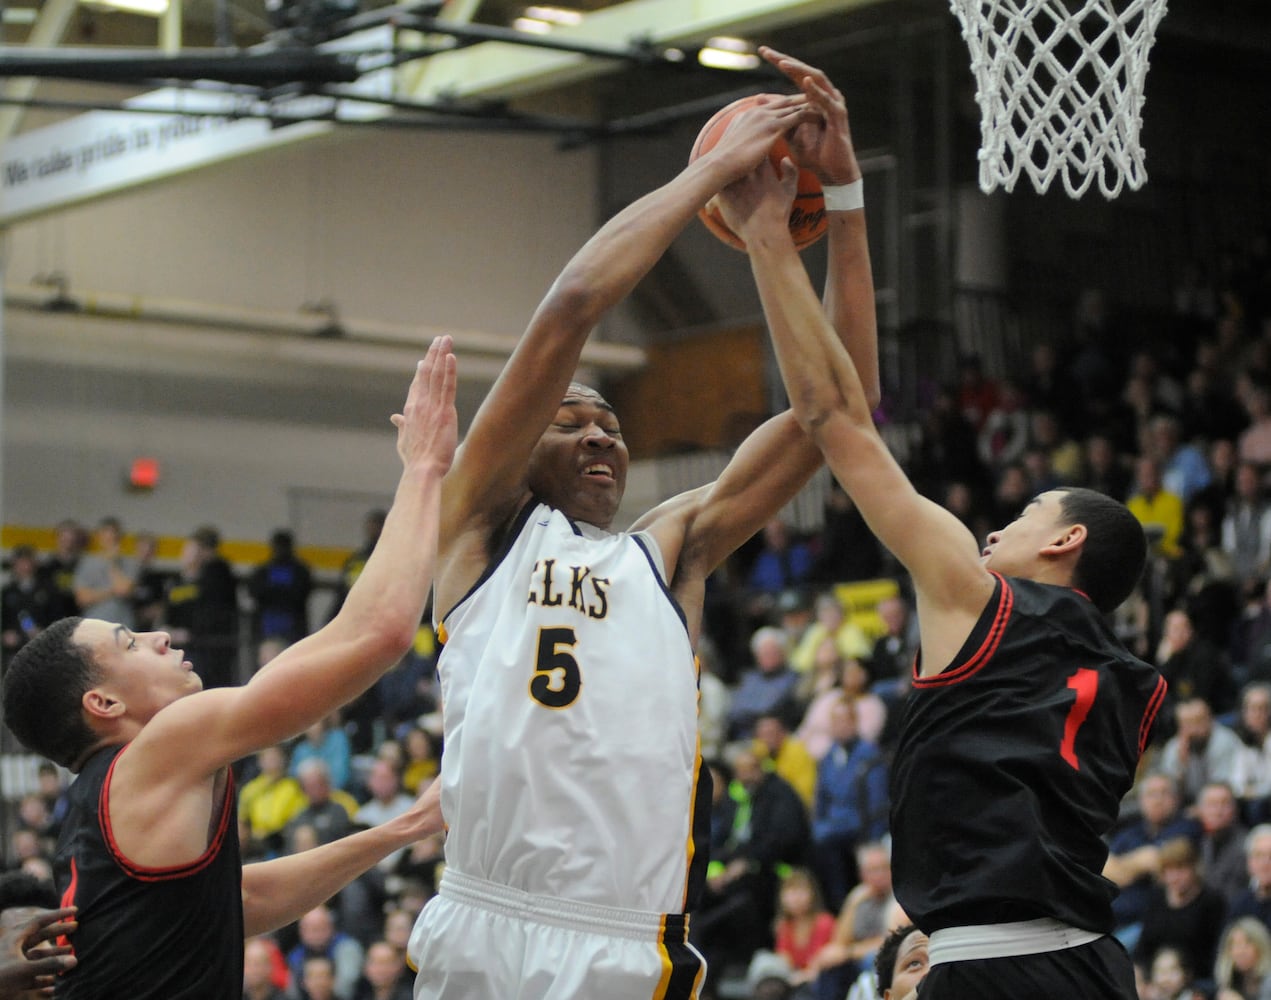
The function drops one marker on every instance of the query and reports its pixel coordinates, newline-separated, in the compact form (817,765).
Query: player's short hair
(24,889)
(1115,551)
(43,690)
(885,957)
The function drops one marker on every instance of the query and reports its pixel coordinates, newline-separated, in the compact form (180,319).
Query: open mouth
(598,470)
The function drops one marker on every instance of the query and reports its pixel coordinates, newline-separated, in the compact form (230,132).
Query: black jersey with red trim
(1012,763)
(148,933)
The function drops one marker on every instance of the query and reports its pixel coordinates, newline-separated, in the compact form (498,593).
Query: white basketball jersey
(571,765)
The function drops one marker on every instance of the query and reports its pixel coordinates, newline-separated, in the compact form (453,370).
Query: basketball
(807,214)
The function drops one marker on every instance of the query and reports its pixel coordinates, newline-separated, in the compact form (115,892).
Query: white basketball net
(1060,89)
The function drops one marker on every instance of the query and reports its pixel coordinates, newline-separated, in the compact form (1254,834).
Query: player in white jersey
(571,776)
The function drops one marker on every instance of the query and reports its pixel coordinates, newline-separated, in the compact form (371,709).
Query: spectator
(1184,471)
(831,622)
(1004,435)
(280,588)
(1104,469)
(1243,969)
(387,800)
(52,789)
(1222,840)
(819,689)
(768,687)
(202,609)
(320,937)
(1167,394)
(851,804)
(317,979)
(786,755)
(768,829)
(269,801)
(258,970)
(383,974)
(26,601)
(1255,901)
(422,760)
(330,810)
(871,710)
(1194,667)
(1246,530)
(1130,866)
(150,584)
(1254,443)
(803,926)
(1158,510)
(1251,636)
(104,579)
(1049,387)
(1200,752)
(783,563)
(848,550)
(892,660)
(326,742)
(1205,578)
(1064,455)
(57,572)
(1183,912)
(1173,977)
(861,925)
(1251,777)
(1222,486)
(1012,493)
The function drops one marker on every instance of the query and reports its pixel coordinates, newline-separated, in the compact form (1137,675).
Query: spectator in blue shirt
(851,804)
(1159,820)
(767,688)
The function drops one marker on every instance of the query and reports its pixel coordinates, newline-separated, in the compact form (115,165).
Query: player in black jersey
(1027,717)
(149,850)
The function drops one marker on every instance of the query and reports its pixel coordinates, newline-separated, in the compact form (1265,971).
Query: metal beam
(49,29)
(497,69)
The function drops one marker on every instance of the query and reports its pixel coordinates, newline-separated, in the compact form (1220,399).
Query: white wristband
(844,197)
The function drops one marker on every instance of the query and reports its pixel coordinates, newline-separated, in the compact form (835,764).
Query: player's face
(911,966)
(141,669)
(1013,550)
(579,465)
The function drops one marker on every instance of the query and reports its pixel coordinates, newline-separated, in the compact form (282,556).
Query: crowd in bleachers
(805,666)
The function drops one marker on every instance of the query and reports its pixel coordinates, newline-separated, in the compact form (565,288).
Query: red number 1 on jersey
(1086,683)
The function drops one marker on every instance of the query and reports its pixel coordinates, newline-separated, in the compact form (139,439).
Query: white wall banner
(101,152)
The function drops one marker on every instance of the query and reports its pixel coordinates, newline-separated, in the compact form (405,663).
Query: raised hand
(759,201)
(428,426)
(748,138)
(27,961)
(823,143)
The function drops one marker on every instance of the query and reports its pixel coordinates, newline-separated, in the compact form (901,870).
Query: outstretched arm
(488,480)
(777,460)
(277,892)
(824,146)
(372,631)
(830,402)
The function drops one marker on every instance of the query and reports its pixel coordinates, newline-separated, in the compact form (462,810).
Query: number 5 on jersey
(557,679)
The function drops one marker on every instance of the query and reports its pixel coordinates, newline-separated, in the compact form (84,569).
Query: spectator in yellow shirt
(268,802)
(786,755)
(1158,510)
(831,621)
